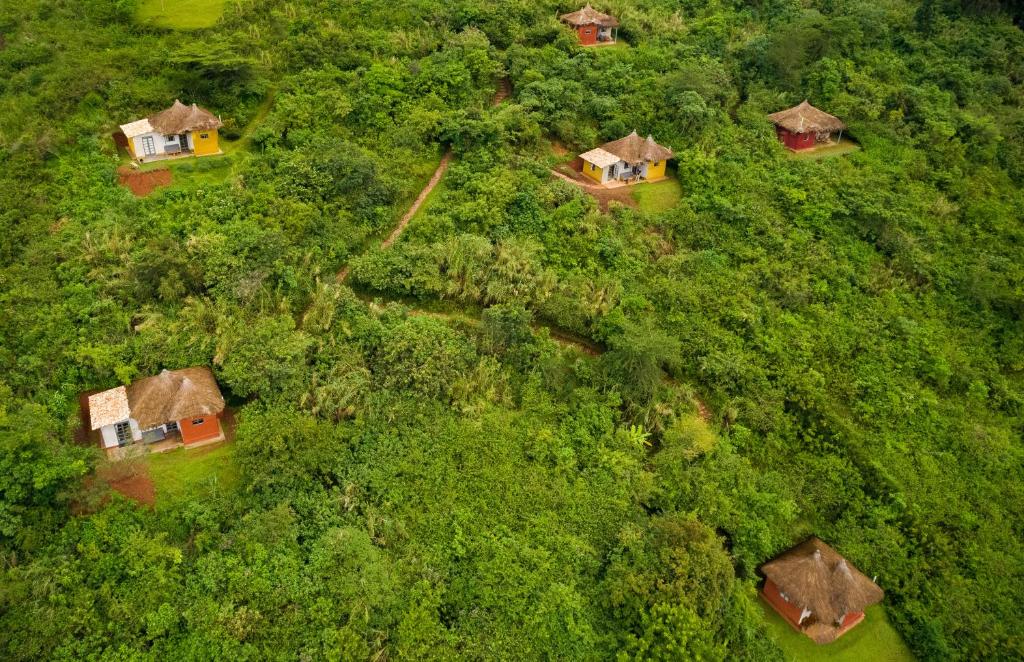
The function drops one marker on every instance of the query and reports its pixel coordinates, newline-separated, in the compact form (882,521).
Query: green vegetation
(766,347)
(658,196)
(844,146)
(180,14)
(189,475)
(874,639)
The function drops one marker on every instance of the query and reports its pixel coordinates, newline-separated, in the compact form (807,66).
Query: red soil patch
(138,487)
(84,435)
(603,195)
(128,477)
(143,183)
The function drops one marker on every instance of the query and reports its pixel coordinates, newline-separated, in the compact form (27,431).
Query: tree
(265,357)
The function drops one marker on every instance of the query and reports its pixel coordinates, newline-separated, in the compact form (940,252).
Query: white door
(148,148)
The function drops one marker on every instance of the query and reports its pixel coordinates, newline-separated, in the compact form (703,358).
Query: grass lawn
(659,196)
(844,146)
(874,640)
(186,474)
(180,14)
(619,45)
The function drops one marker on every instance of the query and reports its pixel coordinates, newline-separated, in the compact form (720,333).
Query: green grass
(619,45)
(180,14)
(844,146)
(658,196)
(874,640)
(186,474)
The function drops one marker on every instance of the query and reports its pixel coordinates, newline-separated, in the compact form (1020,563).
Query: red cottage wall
(192,432)
(587,34)
(795,141)
(851,619)
(787,610)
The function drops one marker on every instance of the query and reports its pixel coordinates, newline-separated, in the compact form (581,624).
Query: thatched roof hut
(805,118)
(634,149)
(818,580)
(589,16)
(174,395)
(180,118)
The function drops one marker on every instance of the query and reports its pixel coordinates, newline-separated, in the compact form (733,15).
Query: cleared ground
(180,14)
(844,146)
(874,640)
(658,196)
(192,474)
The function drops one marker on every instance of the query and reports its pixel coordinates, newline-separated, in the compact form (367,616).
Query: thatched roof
(108,407)
(180,118)
(634,149)
(589,16)
(805,118)
(815,577)
(173,395)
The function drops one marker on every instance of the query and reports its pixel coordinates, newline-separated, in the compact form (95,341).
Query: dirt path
(503,92)
(442,167)
(702,410)
(418,202)
(603,195)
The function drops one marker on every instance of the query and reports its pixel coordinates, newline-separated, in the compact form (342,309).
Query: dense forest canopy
(493,440)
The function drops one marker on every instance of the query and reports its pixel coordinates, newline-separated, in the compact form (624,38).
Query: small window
(589,32)
(656,163)
(204,136)
(197,421)
(123,432)
(593,167)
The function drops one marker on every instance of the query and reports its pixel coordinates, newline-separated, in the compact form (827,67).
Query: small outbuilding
(592,27)
(628,160)
(817,591)
(804,126)
(175,132)
(182,406)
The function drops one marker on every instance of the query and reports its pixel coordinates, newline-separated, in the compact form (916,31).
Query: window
(197,421)
(123,432)
(204,136)
(588,32)
(172,426)
(593,167)
(656,163)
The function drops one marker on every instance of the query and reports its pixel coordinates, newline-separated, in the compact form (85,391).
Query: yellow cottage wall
(656,170)
(592,171)
(203,146)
